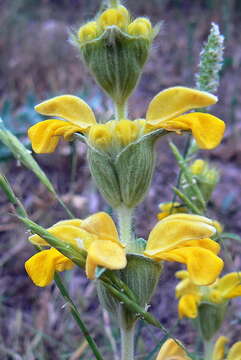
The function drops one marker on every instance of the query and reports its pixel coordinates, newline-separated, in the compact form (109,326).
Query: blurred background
(37,61)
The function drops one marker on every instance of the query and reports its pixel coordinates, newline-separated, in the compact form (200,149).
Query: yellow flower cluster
(118,17)
(181,237)
(162,113)
(190,295)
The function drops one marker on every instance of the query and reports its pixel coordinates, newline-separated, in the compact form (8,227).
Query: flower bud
(88,32)
(100,136)
(114,17)
(140,27)
(115,50)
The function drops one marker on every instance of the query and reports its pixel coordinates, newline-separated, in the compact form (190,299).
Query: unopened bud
(140,27)
(88,32)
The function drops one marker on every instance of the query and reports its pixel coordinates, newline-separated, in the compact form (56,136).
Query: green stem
(113,3)
(64,206)
(187,201)
(208,349)
(127,342)
(124,216)
(76,316)
(121,111)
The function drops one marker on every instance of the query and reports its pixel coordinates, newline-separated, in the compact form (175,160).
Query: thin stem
(74,158)
(121,111)
(208,349)
(114,3)
(127,342)
(124,216)
(64,206)
(76,316)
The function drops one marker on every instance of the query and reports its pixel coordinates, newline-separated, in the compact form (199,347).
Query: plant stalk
(124,216)
(120,111)
(208,349)
(127,342)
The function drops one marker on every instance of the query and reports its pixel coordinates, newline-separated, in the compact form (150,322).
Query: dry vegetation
(36,58)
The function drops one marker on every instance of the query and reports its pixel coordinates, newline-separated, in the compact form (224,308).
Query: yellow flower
(165,108)
(170,350)
(190,295)
(234,352)
(169,208)
(97,235)
(185,238)
(162,113)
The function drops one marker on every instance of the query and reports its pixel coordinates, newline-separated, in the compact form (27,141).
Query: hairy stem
(127,342)
(208,349)
(124,216)
(121,111)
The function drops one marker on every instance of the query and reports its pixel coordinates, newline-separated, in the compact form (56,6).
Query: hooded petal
(45,135)
(174,101)
(229,286)
(107,254)
(170,349)
(42,266)
(188,306)
(177,229)
(219,348)
(70,108)
(235,351)
(102,226)
(208,130)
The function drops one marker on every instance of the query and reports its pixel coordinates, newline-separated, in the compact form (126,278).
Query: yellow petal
(188,306)
(235,352)
(42,266)
(203,265)
(74,222)
(204,243)
(69,234)
(90,267)
(107,254)
(219,348)
(69,108)
(102,226)
(186,286)
(175,101)
(208,130)
(177,229)
(171,350)
(182,274)
(230,285)
(42,135)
